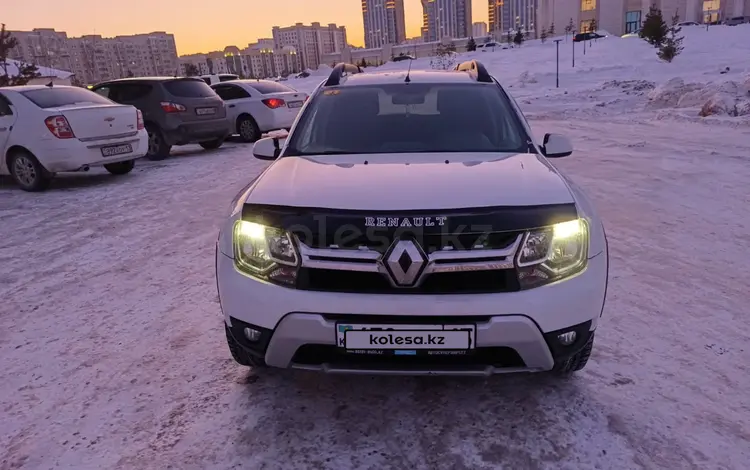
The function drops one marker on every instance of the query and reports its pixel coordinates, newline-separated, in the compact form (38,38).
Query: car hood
(411,182)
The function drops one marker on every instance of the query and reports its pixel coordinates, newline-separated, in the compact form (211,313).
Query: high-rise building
(311,42)
(446,18)
(93,58)
(626,16)
(479,29)
(512,15)
(384,22)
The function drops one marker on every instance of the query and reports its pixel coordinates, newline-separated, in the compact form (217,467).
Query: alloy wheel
(24,170)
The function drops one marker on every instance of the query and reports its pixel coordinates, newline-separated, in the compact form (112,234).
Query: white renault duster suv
(411,224)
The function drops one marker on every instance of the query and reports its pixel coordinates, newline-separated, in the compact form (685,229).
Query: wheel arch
(241,116)
(18,148)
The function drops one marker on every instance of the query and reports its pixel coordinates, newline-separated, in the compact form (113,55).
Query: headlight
(553,253)
(265,252)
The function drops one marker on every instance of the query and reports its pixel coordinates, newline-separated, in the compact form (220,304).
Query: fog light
(251,334)
(566,339)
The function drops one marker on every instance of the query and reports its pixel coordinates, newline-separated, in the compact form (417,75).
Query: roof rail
(475,68)
(339,71)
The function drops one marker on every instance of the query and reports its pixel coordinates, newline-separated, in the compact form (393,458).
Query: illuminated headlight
(553,253)
(265,252)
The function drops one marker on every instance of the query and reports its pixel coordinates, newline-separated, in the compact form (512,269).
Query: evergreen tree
(570,28)
(654,29)
(471,45)
(543,36)
(25,73)
(672,45)
(592,26)
(509,37)
(518,38)
(551,32)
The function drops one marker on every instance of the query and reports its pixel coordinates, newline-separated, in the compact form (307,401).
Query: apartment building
(93,58)
(258,60)
(512,15)
(310,42)
(384,22)
(626,16)
(446,19)
(479,29)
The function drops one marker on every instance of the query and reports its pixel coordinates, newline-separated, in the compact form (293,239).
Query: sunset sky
(201,25)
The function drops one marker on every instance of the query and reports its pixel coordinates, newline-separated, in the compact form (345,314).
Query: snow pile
(714,98)
(323,71)
(638,87)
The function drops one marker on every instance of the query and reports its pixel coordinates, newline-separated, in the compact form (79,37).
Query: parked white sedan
(258,106)
(45,130)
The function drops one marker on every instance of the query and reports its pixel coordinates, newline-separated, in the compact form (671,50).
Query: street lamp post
(574,48)
(557,63)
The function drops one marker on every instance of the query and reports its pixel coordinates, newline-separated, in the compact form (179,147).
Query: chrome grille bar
(368,260)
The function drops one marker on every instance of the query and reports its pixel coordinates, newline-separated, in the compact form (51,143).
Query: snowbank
(714,98)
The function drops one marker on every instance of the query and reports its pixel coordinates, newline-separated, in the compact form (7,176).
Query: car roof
(415,76)
(22,88)
(149,79)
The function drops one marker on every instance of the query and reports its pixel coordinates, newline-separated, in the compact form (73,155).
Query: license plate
(205,111)
(405,338)
(116,150)
(294,104)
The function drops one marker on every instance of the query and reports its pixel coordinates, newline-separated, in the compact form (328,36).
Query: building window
(588,5)
(632,21)
(711,11)
(586,26)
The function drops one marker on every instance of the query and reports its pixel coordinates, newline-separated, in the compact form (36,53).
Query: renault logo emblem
(405,261)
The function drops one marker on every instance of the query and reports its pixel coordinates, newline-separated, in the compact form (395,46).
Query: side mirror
(556,146)
(267,148)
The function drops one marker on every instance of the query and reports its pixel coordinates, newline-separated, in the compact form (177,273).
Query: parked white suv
(411,224)
(46,130)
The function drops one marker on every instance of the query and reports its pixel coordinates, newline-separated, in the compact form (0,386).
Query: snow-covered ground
(112,353)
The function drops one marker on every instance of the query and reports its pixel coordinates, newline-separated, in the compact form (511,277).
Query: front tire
(212,144)
(239,354)
(158,149)
(27,172)
(120,168)
(577,361)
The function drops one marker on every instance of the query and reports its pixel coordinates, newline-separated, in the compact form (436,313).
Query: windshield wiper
(297,153)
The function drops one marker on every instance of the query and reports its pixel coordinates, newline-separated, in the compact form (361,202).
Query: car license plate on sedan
(405,339)
(205,111)
(116,150)
(294,104)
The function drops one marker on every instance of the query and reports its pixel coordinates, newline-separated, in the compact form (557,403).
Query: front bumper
(516,331)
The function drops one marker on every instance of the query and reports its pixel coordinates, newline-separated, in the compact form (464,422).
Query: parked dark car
(176,111)
(399,58)
(586,37)
(736,20)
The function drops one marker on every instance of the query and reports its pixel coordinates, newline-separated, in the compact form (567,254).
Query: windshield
(53,97)
(408,118)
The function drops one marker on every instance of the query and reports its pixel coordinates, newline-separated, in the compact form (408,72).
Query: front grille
(469,282)
(485,265)
(430,242)
(318,354)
